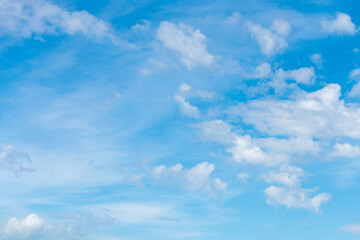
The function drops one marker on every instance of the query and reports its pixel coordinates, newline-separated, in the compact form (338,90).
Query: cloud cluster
(290,193)
(266,152)
(189,43)
(25,18)
(318,114)
(193,179)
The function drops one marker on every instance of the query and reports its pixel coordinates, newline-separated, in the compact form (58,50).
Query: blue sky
(133,120)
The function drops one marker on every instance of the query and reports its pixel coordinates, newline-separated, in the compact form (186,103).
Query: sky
(192,120)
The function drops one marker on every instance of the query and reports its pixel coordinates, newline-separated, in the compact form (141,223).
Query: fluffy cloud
(242,148)
(295,198)
(25,18)
(26,228)
(256,151)
(13,160)
(341,25)
(34,228)
(189,43)
(316,58)
(316,114)
(303,75)
(195,178)
(270,41)
(290,194)
(345,150)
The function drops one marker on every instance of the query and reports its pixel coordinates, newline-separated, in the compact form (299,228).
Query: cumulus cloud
(189,43)
(242,148)
(23,18)
(316,58)
(345,150)
(193,179)
(13,160)
(290,193)
(26,228)
(33,227)
(316,114)
(270,40)
(256,151)
(341,25)
(303,75)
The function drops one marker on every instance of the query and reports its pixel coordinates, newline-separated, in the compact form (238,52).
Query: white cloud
(270,41)
(354,74)
(27,18)
(13,160)
(141,26)
(233,19)
(186,108)
(290,194)
(342,25)
(355,90)
(185,91)
(295,198)
(316,58)
(244,151)
(263,70)
(193,179)
(303,75)
(316,114)
(133,212)
(281,27)
(34,228)
(256,151)
(25,228)
(287,175)
(189,43)
(353,228)
(243,177)
(345,150)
